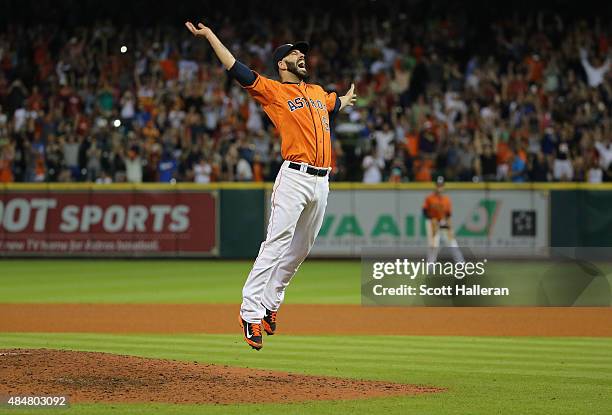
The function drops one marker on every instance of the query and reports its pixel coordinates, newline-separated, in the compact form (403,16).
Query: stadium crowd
(520,98)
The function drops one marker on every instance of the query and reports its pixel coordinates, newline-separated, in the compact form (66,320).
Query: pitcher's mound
(103,377)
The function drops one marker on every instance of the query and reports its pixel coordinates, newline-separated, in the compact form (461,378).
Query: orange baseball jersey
(301,114)
(437,206)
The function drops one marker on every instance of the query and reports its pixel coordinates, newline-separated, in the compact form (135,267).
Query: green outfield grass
(484,375)
(193,281)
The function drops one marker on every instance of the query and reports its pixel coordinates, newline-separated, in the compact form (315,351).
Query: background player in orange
(302,113)
(437,210)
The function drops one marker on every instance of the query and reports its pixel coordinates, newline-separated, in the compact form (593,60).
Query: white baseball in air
(123,49)
(117,123)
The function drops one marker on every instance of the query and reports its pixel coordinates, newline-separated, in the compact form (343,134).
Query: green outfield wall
(228,220)
(581,218)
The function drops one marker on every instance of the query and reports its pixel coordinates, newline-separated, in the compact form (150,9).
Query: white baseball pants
(433,240)
(296,215)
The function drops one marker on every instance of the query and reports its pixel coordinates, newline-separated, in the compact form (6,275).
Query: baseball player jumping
(437,210)
(301,113)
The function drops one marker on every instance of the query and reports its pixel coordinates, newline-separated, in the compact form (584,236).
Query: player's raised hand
(349,98)
(203,30)
(224,55)
(352,95)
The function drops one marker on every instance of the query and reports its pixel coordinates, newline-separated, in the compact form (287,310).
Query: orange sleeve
(426,203)
(263,90)
(330,101)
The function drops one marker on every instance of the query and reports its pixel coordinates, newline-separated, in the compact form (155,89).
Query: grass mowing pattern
(483,375)
(178,281)
(194,281)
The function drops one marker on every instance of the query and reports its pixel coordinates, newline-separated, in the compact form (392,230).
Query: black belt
(310,170)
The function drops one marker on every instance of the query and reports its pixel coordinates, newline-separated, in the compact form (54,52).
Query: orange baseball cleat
(252,333)
(269,322)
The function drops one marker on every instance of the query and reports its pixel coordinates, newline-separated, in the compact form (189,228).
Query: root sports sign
(108,223)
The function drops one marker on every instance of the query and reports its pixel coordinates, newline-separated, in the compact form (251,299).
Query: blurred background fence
(228,220)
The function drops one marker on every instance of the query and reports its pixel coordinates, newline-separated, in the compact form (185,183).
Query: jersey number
(325,123)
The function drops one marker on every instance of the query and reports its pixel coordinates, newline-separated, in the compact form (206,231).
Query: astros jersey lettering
(301,113)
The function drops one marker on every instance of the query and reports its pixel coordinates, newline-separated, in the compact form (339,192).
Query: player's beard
(301,73)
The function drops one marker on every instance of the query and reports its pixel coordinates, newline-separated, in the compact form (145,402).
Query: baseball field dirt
(111,378)
(305,319)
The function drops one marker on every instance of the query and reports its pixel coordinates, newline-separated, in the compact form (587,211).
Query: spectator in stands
(385,145)
(133,166)
(604,151)
(518,168)
(486,164)
(372,168)
(563,170)
(464,100)
(595,173)
(538,168)
(202,171)
(595,73)
(7,154)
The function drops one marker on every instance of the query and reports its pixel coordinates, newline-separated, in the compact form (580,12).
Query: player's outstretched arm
(224,55)
(348,99)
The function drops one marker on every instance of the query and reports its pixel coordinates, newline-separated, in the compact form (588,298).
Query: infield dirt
(309,320)
(109,378)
